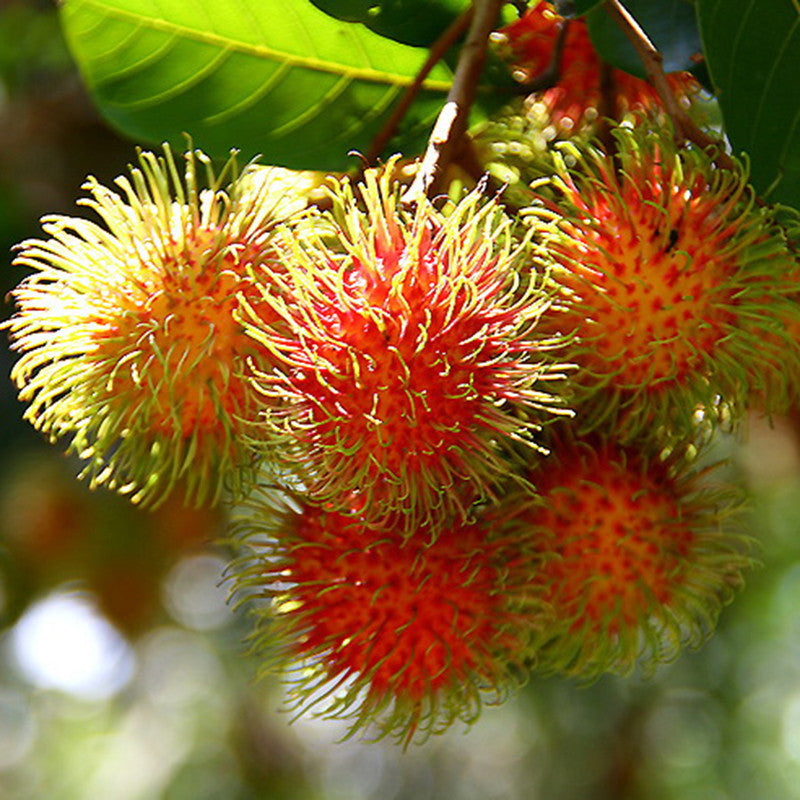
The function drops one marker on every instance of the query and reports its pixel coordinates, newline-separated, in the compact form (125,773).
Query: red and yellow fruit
(130,346)
(678,286)
(389,630)
(411,364)
(577,95)
(637,555)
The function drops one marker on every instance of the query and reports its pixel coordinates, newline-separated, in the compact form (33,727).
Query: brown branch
(437,51)
(451,124)
(653,61)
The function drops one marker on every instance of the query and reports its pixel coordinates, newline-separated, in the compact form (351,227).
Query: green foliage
(275,77)
(669,24)
(305,82)
(753,55)
(414,22)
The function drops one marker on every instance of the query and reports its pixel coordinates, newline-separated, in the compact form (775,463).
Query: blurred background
(124,673)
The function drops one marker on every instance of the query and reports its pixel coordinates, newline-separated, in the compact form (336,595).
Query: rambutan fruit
(679,286)
(127,332)
(576,98)
(411,368)
(638,554)
(394,633)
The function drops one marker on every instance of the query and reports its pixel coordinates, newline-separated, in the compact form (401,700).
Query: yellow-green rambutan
(411,361)
(127,332)
(637,554)
(399,635)
(678,285)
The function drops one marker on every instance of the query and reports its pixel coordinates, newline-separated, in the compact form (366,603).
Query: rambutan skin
(397,634)
(638,554)
(126,330)
(412,361)
(678,286)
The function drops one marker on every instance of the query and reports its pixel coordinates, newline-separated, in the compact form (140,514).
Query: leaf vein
(377,110)
(176,89)
(736,42)
(152,57)
(250,100)
(312,111)
(263,51)
(111,53)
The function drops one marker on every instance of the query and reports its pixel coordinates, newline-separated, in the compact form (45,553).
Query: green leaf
(575,8)
(275,77)
(415,22)
(752,48)
(670,24)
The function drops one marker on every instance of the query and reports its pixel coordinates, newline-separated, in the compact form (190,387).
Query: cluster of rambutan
(388,393)
(544,43)
(567,93)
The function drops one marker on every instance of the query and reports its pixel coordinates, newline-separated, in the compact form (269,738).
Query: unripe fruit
(127,330)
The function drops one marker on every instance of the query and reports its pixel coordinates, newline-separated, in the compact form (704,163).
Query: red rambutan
(384,629)
(576,96)
(679,285)
(412,361)
(638,555)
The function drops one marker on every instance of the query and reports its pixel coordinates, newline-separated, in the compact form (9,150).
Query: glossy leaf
(414,22)
(753,52)
(670,24)
(276,77)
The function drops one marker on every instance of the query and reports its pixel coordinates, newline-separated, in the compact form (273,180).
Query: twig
(452,120)
(653,63)
(437,51)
